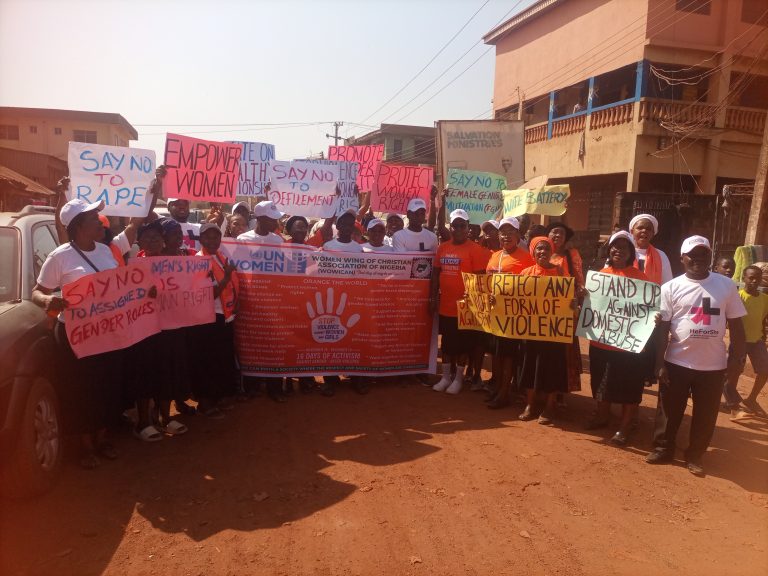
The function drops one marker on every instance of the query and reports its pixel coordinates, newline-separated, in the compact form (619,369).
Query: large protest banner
(479,193)
(397,184)
(119,176)
(524,307)
(301,188)
(618,311)
(112,309)
(348,196)
(254,167)
(367,157)
(547,200)
(305,312)
(201,169)
(495,146)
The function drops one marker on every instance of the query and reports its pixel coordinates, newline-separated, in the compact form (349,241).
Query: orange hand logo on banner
(327,326)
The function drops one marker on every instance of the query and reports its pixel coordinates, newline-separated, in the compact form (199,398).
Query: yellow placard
(519,307)
(547,200)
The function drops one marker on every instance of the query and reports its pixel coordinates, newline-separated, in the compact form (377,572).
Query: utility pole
(336,137)
(757,227)
(519,105)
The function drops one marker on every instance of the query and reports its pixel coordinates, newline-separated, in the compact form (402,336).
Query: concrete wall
(568,44)
(46,141)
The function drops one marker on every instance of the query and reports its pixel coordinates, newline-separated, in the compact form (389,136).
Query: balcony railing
(745,119)
(613,116)
(748,120)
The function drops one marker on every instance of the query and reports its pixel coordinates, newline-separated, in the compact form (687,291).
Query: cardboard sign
(348,196)
(303,188)
(367,157)
(479,193)
(254,167)
(119,176)
(397,184)
(495,146)
(548,200)
(332,313)
(112,309)
(201,170)
(619,311)
(525,307)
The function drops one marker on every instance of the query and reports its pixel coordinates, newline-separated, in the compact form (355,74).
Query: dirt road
(402,481)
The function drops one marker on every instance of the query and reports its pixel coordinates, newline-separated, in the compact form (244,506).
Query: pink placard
(201,169)
(112,309)
(368,157)
(397,184)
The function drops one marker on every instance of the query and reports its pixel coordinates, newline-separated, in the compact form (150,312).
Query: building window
(752,10)
(33,129)
(8,132)
(397,147)
(57,131)
(87,136)
(695,6)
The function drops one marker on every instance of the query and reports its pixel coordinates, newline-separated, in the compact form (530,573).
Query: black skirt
(545,367)
(617,376)
(91,387)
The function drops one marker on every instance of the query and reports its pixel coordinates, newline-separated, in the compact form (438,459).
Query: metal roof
(22,182)
(102,117)
(519,19)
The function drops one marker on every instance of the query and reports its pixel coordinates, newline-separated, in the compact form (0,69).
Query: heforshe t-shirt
(190,240)
(336,246)
(409,241)
(698,310)
(65,265)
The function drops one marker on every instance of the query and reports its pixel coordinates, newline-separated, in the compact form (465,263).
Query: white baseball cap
(511,220)
(458,213)
(416,204)
(691,242)
(267,208)
(493,223)
(169,201)
(76,207)
(621,234)
(375,222)
(243,204)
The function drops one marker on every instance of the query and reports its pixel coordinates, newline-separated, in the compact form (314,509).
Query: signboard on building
(482,145)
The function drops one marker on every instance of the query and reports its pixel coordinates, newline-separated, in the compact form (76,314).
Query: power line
(243,130)
(428,63)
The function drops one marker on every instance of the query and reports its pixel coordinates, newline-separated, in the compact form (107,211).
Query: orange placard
(304,312)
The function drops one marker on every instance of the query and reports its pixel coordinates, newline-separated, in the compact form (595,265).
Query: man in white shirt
(179,211)
(267,216)
(376,235)
(345,225)
(415,238)
(696,308)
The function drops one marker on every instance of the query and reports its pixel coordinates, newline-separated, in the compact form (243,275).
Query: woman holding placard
(93,392)
(545,370)
(617,375)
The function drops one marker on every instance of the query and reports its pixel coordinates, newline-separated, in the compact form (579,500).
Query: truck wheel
(34,466)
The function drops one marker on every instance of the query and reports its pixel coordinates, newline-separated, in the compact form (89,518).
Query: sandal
(527,415)
(148,434)
(175,428)
(107,450)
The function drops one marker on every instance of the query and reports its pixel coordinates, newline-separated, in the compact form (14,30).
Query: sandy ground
(402,481)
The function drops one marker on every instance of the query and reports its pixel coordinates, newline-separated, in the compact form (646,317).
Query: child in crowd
(725,266)
(755,328)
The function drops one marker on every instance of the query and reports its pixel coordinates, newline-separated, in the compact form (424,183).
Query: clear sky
(161,63)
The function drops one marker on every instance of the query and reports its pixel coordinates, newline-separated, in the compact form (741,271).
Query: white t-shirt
(384,248)
(270,238)
(189,242)
(408,241)
(65,265)
(217,307)
(388,240)
(698,310)
(121,241)
(336,246)
(666,267)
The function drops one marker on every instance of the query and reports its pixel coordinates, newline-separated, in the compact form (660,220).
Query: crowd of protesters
(194,370)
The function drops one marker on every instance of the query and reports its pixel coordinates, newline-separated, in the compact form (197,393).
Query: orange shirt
(503,263)
(453,259)
(537,270)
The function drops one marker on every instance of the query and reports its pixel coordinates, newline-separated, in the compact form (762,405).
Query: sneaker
(695,468)
(456,385)
(739,415)
(754,407)
(659,456)
(441,386)
(619,439)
